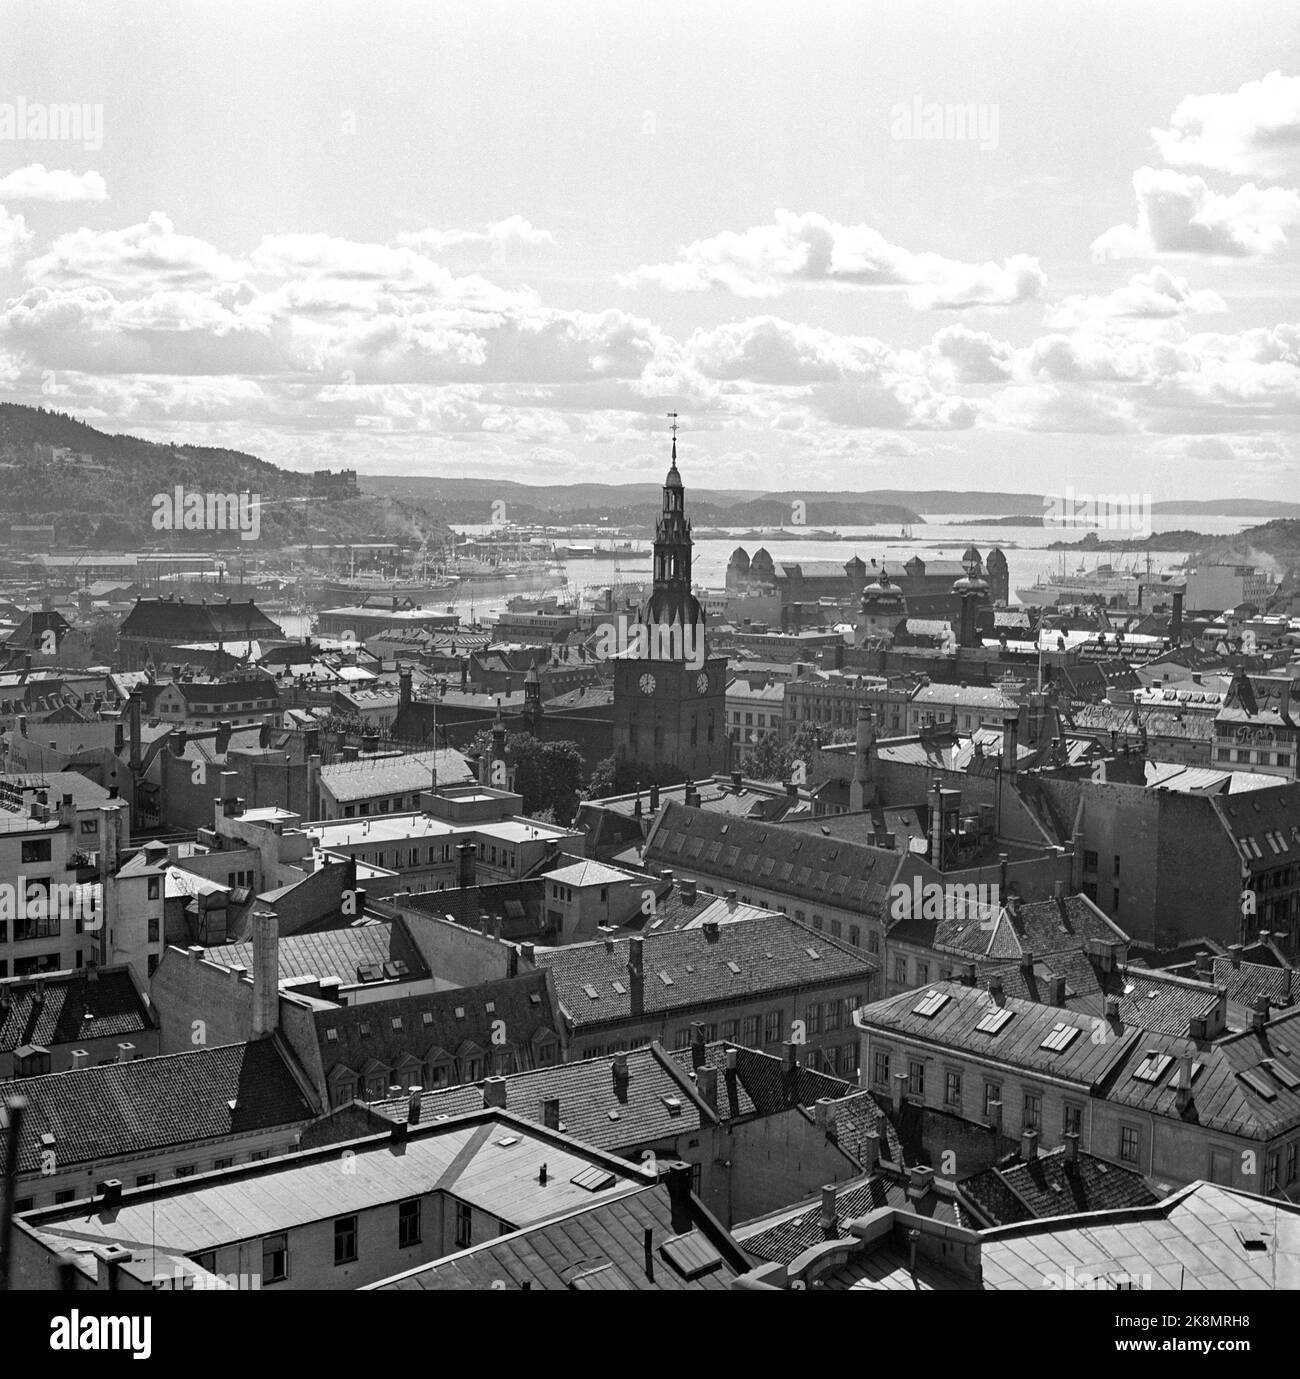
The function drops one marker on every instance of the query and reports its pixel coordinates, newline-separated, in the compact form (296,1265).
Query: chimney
(790,1055)
(711,930)
(968,974)
(266,972)
(1058,892)
(1003,859)
(901,1081)
(1112,1009)
(826,1114)
(920,1181)
(222,742)
(1029,1145)
(528,953)
(1259,1014)
(1234,952)
(1056,990)
(135,705)
(995,988)
(126,1052)
(494,1092)
(1071,1148)
(1027,964)
(1204,967)
(636,974)
(1183,1097)
(1010,732)
(936,828)
(465,851)
(80,1057)
(688,891)
(620,1069)
(109,1192)
(699,1047)
(413,1106)
(679,1194)
(736,780)
(1176,621)
(706,1081)
(404,684)
(870,1150)
(550,1112)
(830,1217)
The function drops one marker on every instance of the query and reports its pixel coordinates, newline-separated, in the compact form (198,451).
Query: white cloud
(766,259)
(513,233)
(1253,131)
(144,256)
(36,182)
(1153,296)
(1178,214)
(14,237)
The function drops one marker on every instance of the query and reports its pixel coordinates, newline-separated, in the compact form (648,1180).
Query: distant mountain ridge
(96,488)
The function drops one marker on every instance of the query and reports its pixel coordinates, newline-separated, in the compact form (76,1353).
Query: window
(834,1016)
(275,1259)
(922,972)
(1072,1121)
(345,1240)
(773,1027)
(873,941)
(153,887)
(66,1195)
(223,1163)
(880,1069)
(992,1096)
(153,963)
(952,1089)
(464,1224)
(900,970)
(185,1170)
(153,929)
(1089,861)
(408,1223)
(916,1078)
(749,1031)
(36,850)
(1128,1144)
(1271,1164)
(1291,1156)
(1033,1110)
(855,935)
(145,1179)
(682,1039)
(813,1018)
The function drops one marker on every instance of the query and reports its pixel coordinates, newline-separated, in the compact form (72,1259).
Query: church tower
(669,693)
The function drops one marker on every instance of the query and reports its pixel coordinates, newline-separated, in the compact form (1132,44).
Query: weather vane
(673,418)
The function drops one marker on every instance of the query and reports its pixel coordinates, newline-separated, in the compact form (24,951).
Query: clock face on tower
(702,682)
(646,684)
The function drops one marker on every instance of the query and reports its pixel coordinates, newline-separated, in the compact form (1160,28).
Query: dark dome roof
(881,593)
(674,479)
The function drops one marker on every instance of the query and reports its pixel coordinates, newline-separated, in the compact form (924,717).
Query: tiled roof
(794,862)
(762,1085)
(768,954)
(1157,1001)
(169,619)
(361,1033)
(858,1114)
(782,1240)
(1254,979)
(601,1248)
(401,775)
(157,1103)
(1048,1185)
(596,1106)
(73,1008)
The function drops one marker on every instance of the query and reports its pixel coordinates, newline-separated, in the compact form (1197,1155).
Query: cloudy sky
(974,245)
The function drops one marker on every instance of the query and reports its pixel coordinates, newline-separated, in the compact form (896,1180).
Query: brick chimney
(636,974)
(706,1082)
(1029,1145)
(829,1217)
(495,1093)
(266,972)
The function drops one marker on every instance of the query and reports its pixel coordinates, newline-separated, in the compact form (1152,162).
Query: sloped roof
(73,1008)
(763,1086)
(158,1103)
(1049,1185)
(335,952)
(768,954)
(831,871)
(398,775)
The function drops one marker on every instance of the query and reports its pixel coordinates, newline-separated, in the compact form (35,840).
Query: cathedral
(669,693)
